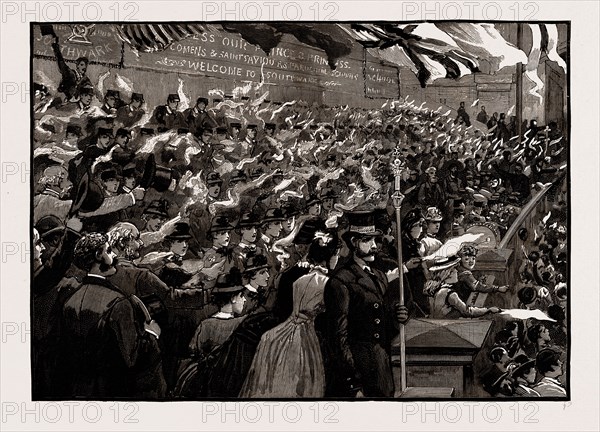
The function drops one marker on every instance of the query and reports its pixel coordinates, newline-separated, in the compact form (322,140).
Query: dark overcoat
(105,351)
(361,325)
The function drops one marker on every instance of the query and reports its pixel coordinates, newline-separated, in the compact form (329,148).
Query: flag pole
(519,87)
(397,199)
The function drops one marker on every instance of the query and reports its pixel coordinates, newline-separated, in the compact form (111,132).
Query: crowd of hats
(350,137)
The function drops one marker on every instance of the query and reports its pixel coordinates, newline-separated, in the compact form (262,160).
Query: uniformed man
(128,115)
(167,116)
(362,322)
(198,118)
(112,101)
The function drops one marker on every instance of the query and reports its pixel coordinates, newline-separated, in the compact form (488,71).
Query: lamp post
(397,198)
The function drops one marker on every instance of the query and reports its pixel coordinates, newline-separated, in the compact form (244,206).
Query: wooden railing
(529,217)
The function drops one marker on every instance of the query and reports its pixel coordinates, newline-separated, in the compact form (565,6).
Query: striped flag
(438,50)
(156,37)
(431,50)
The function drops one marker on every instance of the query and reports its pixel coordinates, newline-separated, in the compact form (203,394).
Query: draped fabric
(430,50)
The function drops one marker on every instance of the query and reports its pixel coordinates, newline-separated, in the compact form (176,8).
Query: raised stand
(440,356)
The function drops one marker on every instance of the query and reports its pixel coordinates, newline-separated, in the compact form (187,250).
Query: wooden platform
(440,354)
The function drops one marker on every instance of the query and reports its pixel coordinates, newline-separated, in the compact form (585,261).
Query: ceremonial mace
(398,166)
(397,198)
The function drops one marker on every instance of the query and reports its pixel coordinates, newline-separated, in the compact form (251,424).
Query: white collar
(552,381)
(319,269)
(52,192)
(363,265)
(250,288)
(96,276)
(223,315)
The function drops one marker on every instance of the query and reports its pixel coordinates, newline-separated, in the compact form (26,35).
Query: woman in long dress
(288,361)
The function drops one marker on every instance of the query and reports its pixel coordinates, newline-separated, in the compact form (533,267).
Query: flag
(533,62)
(544,40)
(47,29)
(484,42)
(438,50)
(157,37)
(431,50)
(550,44)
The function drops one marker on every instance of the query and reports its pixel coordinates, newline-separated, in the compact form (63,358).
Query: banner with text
(228,56)
(99,43)
(381,80)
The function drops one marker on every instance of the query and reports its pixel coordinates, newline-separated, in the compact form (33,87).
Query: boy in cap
(234,130)
(128,115)
(123,152)
(72,80)
(130,178)
(82,106)
(85,161)
(248,147)
(167,116)
(475,216)
(221,134)
(157,225)
(112,101)
(198,118)
(111,181)
(72,135)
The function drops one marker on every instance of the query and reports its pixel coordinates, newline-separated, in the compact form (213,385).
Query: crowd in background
(201,236)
